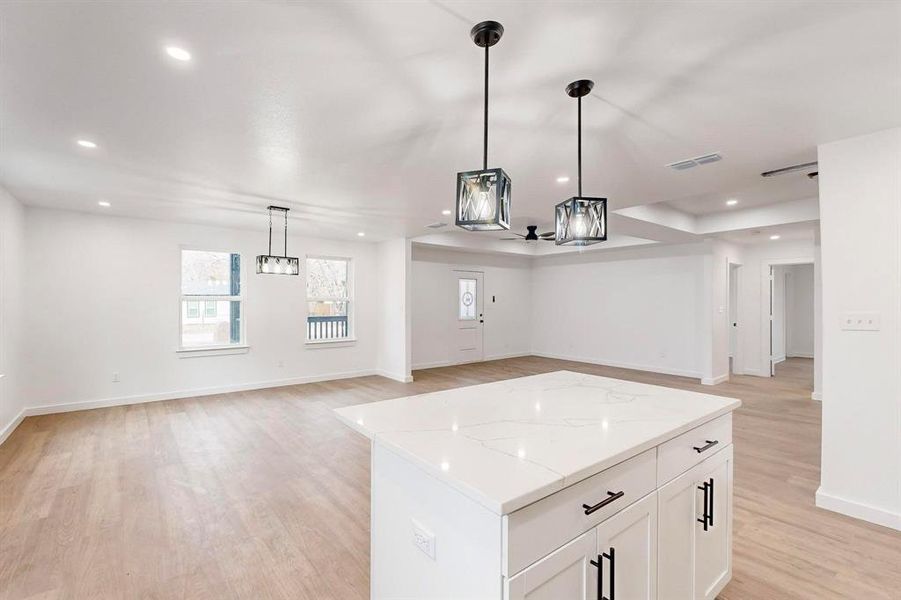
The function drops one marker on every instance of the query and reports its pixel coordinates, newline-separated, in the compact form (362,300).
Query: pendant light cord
(485,142)
(270,231)
(580,146)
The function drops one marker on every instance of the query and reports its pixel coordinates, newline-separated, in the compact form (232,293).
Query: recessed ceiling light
(445,212)
(86,144)
(103,203)
(361,233)
(562,179)
(731,202)
(178,53)
(774,237)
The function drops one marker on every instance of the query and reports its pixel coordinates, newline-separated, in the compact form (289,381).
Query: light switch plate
(861,321)
(423,539)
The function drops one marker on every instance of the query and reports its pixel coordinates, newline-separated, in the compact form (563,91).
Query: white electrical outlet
(423,539)
(281,364)
(116,377)
(860,321)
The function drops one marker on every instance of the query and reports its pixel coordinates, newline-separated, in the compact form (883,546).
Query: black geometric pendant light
(581,221)
(483,197)
(278,265)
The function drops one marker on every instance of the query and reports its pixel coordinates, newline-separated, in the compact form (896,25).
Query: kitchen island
(554,486)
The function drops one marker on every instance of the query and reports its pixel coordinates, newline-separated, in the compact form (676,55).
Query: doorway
(792,321)
(735,363)
(470,321)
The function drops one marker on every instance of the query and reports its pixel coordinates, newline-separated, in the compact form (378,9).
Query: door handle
(611,556)
(707,519)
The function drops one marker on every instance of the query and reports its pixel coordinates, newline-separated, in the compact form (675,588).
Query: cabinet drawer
(682,453)
(537,529)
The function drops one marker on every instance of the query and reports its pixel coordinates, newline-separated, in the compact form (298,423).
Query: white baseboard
(715,380)
(447,363)
(432,365)
(11,426)
(799,354)
(858,510)
(191,393)
(779,359)
(818,396)
(395,376)
(621,365)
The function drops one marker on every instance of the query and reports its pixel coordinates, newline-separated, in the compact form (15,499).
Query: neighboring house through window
(211,300)
(329,299)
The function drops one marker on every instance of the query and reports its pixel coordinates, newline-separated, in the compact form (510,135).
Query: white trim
(433,365)
(858,510)
(778,359)
(394,376)
(816,396)
(621,365)
(7,431)
(340,343)
(191,393)
(212,351)
(799,355)
(715,380)
(447,363)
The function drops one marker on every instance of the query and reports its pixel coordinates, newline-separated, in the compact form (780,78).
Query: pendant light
(278,265)
(483,197)
(581,221)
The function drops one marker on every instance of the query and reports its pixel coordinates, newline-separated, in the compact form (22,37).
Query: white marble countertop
(509,443)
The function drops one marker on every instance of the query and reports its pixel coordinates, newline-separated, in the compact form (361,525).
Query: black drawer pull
(611,496)
(710,444)
(600,565)
(707,518)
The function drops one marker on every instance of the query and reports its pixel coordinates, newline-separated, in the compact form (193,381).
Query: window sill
(330,343)
(212,351)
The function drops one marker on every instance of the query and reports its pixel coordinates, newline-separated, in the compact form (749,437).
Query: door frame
(766,342)
(455,272)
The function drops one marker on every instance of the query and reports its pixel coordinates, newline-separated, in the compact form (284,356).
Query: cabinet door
(565,573)
(627,546)
(677,514)
(713,546)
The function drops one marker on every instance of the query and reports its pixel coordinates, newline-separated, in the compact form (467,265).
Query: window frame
(212,350)
(351,336)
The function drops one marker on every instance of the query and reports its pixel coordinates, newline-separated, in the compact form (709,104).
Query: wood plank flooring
(265,494)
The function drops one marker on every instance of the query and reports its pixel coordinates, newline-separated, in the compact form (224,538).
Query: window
(329,296)
(467,298)
(211,300)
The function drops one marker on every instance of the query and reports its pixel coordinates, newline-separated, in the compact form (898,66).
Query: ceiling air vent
(436,225)
(706,159)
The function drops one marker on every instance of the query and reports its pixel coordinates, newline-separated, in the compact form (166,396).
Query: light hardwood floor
(265,494)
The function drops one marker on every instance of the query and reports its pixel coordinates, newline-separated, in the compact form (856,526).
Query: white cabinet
(627,547)
(565,573)
(695,530)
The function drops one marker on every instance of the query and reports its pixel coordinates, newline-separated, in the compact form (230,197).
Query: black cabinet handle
(600,565)
(710,444)
(706,489)
(611,496)
(707,519)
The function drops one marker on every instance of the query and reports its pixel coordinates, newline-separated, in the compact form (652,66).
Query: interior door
(627,552)
(470,316)
(566,574)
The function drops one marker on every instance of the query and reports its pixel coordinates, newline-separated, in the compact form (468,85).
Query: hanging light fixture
(581,221)
(483,197)
(278,265)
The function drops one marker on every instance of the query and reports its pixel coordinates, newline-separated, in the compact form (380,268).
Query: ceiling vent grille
(436,225)
(682,165)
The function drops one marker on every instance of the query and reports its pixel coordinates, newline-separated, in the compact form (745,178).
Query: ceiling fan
(532,236)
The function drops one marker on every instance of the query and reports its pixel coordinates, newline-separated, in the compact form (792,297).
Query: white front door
(470,321)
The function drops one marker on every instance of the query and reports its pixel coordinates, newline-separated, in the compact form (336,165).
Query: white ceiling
(358,115)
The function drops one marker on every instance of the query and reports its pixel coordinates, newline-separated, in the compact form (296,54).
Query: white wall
(507,304)
(860,230)
(644,308)
(103,297)
(12,255)
(395,325)
(799,311)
